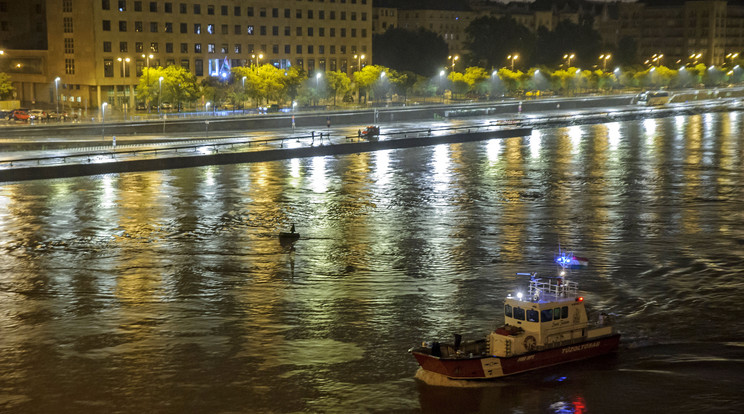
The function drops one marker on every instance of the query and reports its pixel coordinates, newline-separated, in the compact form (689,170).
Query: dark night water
(169,291)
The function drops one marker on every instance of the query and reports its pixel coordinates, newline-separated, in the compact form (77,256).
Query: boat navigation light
(580,299)
(519,295)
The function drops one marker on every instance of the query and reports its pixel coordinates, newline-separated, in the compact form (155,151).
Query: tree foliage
(6,86)
(338,83)
(568,37)
(421,51)
(490,40)
(178,85)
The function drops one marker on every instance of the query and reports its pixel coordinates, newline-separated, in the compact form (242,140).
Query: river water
(169,291)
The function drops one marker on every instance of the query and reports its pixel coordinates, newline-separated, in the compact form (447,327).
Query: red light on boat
(580,299)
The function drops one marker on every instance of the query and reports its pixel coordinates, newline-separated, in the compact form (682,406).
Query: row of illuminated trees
(265,84)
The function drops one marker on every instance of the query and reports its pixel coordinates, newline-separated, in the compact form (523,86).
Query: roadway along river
(169,291)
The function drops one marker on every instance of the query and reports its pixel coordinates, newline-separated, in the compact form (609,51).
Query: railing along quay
(203,146)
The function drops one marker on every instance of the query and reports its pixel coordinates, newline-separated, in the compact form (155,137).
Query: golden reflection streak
(440,164)
(493,148)
(599,186)
(513,218)
(690,216)
(535,143)
(563,177)
(319,181)
(655,178)
(382,162)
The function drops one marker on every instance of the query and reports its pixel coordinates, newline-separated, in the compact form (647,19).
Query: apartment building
(451,23)
(98,48)
(684,32)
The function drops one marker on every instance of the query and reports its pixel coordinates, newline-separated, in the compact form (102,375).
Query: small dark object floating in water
(289,237)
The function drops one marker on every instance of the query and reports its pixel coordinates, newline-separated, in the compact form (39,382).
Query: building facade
(684,32)
(98,48)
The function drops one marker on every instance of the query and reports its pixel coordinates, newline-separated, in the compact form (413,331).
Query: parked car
(37,115)
(57,116)
(19,115)
(166,105)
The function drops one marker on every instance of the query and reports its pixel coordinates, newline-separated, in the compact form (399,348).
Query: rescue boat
(546,326)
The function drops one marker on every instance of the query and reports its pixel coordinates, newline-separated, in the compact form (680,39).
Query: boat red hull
(486,367)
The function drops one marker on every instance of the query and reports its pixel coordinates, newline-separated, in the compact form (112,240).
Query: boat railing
(553,286)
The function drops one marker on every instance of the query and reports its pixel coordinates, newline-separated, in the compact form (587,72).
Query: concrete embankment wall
(187,161)
(307,121)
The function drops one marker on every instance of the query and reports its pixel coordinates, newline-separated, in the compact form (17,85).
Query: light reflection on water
(169,291)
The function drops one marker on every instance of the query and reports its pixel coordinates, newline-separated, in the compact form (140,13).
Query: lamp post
(568,57)
(604,58)
(732,56)
(512,58)
(123,61)
(56,91)
(656,58)
(147,78)
(453,58)
(359,61)
(258,58)
(695,57)
(317,85)
(441,82)
(147,59)
(160,91)
(103,120)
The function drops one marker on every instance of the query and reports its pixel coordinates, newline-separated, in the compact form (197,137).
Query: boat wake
(439,380)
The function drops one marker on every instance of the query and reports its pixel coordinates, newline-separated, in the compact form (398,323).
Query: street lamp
(695,57)
(568,58)
(512,58)
(317,85)
(604,58)
(103,119)
(732,56)
(160,91)
(441,82)
(147,59)
(656,58)
(56,91)
(258,58)
(123,61)
(453,58)
(147,78)
(359,61)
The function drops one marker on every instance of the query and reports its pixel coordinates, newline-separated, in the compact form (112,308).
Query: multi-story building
(384,18)
(451,20)
(98,48)
(683,31)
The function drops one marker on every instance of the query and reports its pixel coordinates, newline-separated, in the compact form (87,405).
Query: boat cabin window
(558,313)
(519,314)
(546,315)
(508,310)
(533,315)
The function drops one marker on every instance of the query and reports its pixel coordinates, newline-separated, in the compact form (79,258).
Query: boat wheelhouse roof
(552,289)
